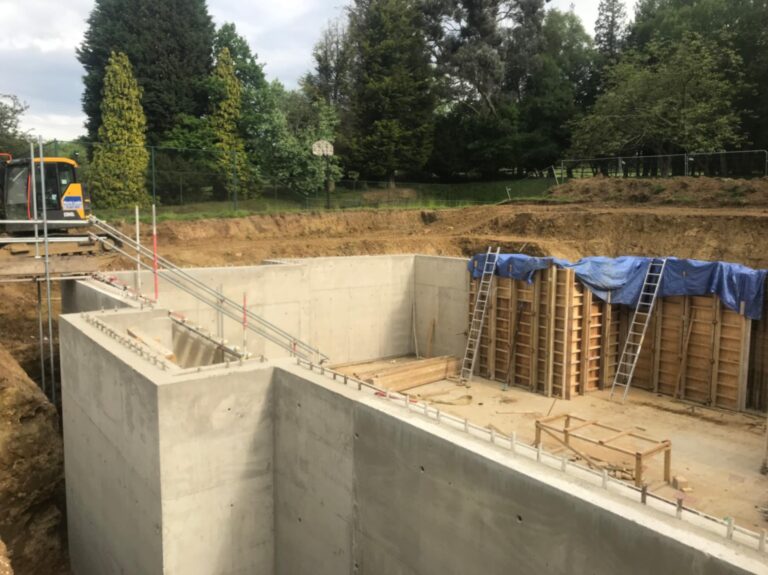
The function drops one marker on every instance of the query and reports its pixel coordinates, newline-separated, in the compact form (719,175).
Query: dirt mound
(702,192)
(31,473)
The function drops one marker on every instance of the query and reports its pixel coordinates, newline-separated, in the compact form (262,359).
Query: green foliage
(231,158)
(741,25)
(11,136)
(170,46)
(557,91)
(119,166)
(297,123)
(393,99)
(673,97)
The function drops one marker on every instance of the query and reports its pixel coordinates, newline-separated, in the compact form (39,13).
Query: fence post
(154,183)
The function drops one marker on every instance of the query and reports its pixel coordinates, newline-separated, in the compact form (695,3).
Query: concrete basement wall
(112,457)
(442,294)
(361,486)
(269,468)
(166,471)
(352,308)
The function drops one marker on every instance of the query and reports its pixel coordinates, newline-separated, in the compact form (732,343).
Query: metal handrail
(202,292)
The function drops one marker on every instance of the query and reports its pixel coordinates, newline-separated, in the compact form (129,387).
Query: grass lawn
(404,196)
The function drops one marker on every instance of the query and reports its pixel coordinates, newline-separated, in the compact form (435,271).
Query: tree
(610,29)
(11,136)
(738,25)
(119,166)
(302,122)
(557,91)
(231,158)
(674,97)
(393,101)
(523,44)
(331,78)
(170,46)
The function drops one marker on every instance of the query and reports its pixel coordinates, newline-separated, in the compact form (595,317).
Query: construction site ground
(718,453)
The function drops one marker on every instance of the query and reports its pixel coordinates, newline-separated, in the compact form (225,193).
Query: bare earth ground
(718,453)
(570,231)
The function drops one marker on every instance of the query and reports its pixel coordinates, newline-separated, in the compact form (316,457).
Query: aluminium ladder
(478,314)
(639,326)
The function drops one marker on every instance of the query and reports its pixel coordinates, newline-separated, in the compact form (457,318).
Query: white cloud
(54,126)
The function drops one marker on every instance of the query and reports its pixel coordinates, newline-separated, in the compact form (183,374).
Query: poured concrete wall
(442,296)
(166,471)
(112,456)
(269,468)
(353,309)
(215,437)
(361,486)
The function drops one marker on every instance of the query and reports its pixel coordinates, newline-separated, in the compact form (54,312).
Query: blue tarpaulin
(623,278)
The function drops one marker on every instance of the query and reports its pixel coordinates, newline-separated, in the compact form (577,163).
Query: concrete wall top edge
(154,373)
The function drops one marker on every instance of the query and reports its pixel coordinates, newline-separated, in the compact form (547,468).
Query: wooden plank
(744,371)
(657,344)
(688,330)
(567,339)
(715,361)
(535,330)
(403,367)
(586,324)
(151,343)
(514,318)
(606,343)
(551,315)
(418,375)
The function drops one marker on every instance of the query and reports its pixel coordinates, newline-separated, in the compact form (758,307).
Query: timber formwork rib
(554,337)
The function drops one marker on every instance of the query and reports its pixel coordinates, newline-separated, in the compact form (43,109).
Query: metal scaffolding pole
(40,334)
(138,252)
(47,273)
(34,196)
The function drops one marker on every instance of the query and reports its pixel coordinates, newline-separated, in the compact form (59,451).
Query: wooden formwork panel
(546,336)
(695,349)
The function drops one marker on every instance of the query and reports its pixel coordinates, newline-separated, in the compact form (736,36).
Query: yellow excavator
(67,202)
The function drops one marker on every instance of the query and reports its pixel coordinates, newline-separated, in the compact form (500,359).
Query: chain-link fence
(737,164)
(206,181)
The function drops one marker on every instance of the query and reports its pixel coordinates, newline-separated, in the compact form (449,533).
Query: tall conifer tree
(231,158)
(169,44)
(393,97)
(119,167)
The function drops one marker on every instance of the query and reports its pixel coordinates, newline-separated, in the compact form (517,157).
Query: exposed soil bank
(31,474)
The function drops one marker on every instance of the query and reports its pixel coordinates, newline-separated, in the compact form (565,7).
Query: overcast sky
(37,48)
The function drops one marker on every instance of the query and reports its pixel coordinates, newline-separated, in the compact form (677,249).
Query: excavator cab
(66,199)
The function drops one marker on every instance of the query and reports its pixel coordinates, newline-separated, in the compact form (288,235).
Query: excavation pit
(278,464)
